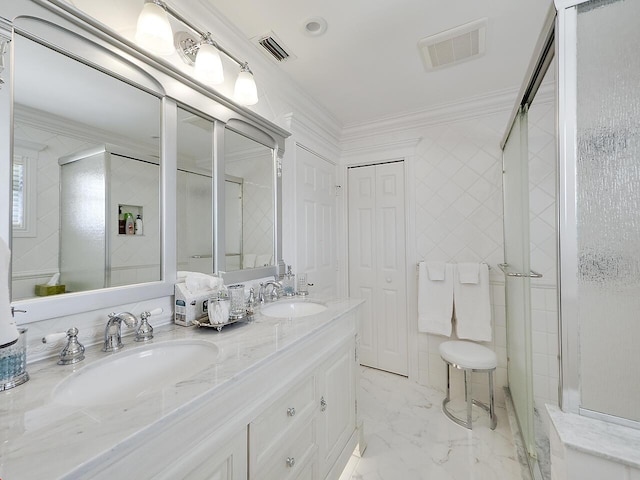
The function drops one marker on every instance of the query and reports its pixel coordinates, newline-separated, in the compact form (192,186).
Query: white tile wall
(257,219)
(458,192)
(135,258)
(35,259)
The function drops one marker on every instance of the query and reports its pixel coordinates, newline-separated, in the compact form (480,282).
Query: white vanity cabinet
(279,405)
(224,459)
(337,419)
(303,433)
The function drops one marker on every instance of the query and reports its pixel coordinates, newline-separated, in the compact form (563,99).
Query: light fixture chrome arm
(201,33)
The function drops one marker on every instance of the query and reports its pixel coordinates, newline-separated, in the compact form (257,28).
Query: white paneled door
(316,186)
(377,263)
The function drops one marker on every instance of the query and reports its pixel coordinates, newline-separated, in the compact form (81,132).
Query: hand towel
(473,306)
(436,270)
(469,272)
(435,300)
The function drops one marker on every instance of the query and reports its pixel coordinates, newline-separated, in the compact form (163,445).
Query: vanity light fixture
(154,33)
(245,90)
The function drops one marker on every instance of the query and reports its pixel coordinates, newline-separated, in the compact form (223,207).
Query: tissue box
(43,290)
(190,307)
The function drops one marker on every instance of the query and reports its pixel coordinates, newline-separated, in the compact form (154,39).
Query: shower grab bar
(505,268)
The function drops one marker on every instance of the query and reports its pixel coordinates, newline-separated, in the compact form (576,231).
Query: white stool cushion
(468,355)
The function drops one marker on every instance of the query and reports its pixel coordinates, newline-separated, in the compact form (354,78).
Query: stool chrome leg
(492,410)
(448,382)
(467,394)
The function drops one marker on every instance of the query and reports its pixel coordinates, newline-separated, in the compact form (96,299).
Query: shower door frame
(567,51)
(545,50)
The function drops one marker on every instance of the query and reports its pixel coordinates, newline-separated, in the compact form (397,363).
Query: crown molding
(496,102)
(316,136)
(398,149)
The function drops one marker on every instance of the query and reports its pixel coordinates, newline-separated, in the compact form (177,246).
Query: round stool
(469,357)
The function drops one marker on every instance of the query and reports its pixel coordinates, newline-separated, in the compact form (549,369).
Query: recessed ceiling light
(314,26)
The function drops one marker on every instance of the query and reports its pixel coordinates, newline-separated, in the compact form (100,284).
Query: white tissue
(54,280)
(200,282)
(219,314)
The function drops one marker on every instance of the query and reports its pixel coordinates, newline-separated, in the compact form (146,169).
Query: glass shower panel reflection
(517,288)
(83,222)
(608,206)
(194,203)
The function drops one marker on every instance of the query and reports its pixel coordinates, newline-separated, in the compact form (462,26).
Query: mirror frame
(58,25)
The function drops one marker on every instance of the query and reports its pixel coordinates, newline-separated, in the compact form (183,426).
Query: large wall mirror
(119,171)
(86,177)
(250,203)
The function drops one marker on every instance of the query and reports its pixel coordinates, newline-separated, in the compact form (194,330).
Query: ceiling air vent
(454,45)
(273,47)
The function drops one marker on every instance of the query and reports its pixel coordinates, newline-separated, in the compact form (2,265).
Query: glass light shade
(246,92)
(209,65)
(154,31)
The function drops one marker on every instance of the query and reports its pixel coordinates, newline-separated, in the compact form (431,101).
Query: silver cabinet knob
(323,404)
(291,462)
(291,411)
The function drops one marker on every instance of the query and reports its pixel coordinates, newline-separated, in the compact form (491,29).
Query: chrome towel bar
(506,269)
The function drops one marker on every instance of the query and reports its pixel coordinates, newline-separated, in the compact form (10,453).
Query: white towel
(473,306)
(436,270)
(469,272)
(435,300)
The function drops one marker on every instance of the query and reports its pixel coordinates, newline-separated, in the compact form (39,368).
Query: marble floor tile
(409,438)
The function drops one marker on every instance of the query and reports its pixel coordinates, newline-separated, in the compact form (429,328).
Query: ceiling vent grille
(454,46)
(273,47)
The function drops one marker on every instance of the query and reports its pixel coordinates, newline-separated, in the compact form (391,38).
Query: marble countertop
(598,438)
(41,438)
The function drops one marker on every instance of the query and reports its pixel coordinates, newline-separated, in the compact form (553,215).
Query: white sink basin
(130,373)
(292,308)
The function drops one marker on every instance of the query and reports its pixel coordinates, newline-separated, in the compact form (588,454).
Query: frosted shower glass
(608,202)
(83,220)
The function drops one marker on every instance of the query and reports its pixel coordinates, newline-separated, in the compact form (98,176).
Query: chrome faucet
(113,330)
(275,291)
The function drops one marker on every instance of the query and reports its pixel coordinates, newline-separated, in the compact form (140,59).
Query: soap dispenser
(138,225)
(289,283)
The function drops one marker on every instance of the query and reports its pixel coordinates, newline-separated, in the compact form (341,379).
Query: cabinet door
(337,420)
(220,459)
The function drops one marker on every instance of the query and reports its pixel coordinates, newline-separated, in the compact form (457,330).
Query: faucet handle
(54,337)
(144,330)
(73,352)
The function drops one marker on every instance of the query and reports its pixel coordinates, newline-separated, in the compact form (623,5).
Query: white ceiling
(367,65)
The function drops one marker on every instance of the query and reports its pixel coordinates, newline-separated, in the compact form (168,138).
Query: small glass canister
(13,362)
(302,285)
(237,307)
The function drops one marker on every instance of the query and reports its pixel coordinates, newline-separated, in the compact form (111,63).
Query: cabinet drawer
(296,457)
(274,425)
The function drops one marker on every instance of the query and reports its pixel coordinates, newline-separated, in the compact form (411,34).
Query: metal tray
(218,326)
